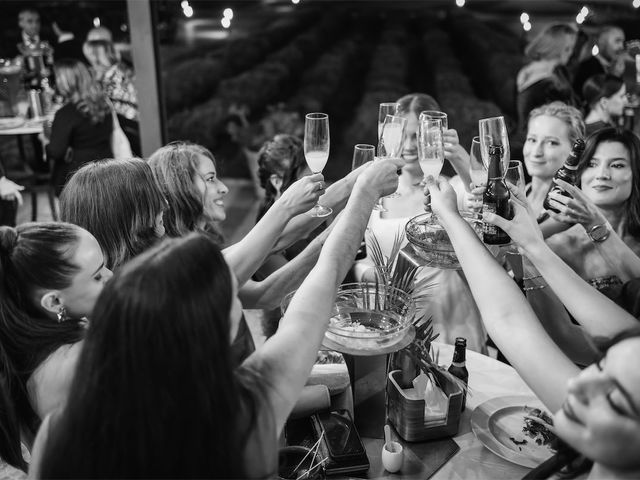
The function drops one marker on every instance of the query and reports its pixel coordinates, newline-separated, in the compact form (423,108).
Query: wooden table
(488,379)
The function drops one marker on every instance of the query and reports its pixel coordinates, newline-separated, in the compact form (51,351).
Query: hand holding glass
(316,150)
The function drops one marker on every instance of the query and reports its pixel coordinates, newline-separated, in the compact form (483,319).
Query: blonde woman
(81,129)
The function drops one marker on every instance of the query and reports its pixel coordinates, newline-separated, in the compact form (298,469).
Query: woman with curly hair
(81,129)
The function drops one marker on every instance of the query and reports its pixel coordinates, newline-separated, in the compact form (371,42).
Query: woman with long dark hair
(156,394)
(605,97)
(50,277)
(597,410)
(82,127)
(119,202)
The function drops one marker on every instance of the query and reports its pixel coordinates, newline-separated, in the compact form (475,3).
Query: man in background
(610,53)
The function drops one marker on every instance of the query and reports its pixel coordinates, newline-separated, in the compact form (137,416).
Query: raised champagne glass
(316,150)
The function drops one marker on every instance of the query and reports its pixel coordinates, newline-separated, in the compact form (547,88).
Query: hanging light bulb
(228,13)
(526,26)
(579,19)
(636,4)
(595,50)
(96,22)
(460,3)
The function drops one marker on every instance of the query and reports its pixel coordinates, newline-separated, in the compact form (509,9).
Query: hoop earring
(62,314)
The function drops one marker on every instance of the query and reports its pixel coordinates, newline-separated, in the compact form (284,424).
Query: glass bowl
(431,242)
(367,316)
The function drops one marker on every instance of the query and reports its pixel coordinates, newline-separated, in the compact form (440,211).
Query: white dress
(450,302)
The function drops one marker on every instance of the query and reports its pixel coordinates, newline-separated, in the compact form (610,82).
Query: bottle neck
(459,356)
(494,168)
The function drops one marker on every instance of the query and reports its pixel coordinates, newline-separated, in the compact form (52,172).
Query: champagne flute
(477,170)
(316,150)
(435,114)
(493,131)
(362,153)
(515,175)
(387,108)
(392,141)
(430,147)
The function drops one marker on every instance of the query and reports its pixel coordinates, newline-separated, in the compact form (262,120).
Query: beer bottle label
(487,228)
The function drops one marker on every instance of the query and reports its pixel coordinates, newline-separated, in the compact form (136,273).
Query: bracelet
(535,287)
(532,278)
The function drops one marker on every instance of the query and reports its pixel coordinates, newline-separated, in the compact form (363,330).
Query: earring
(62,314)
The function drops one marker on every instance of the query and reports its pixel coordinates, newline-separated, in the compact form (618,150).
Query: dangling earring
(62,314)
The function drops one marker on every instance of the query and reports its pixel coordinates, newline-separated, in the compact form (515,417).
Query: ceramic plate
(498,423)
(11,122)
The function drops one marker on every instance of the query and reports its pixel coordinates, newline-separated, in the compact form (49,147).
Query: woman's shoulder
(49,384)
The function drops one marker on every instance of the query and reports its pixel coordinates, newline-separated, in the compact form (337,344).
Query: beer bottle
(629,118)
(495,198)
(458,367)
(568,173)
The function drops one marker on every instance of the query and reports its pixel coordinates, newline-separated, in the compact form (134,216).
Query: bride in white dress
(449,301)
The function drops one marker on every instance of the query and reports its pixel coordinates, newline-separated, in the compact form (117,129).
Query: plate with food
(514,428)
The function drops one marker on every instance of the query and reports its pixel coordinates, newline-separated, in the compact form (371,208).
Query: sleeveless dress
(450,302)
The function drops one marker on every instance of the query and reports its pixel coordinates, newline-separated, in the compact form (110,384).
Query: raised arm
(506,314)
(596,313)
(580,209)
(246,256)
(269,292)
(285,359)
(335,197)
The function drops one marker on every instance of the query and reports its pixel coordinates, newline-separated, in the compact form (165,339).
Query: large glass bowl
(431,242)
(367,316)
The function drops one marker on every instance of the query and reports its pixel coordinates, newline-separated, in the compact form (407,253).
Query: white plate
(497,421)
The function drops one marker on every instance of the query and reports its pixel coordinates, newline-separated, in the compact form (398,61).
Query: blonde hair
(571,116)
(549,43)
(78,87)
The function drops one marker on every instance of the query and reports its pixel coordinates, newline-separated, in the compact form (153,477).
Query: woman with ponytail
(50,277)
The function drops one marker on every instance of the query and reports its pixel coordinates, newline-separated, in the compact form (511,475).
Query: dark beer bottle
(495,198)
(458,366)
(568,172)
(628,118)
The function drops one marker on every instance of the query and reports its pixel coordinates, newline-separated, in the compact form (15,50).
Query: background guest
(82,127)
(10,199)
(545,78)
(68,45)
(610,43)
(605,97)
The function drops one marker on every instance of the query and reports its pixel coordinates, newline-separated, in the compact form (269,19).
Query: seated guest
(605,97)
(67,45)
(596,408)
(610,43)
(50,277)
(545,78)
(450,303)
(215,421)
(82,127)
(119,202)
(118,83)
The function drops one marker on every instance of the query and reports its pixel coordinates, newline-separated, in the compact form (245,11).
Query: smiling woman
(609,175)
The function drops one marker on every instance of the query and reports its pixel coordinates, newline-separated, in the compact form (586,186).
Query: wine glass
(435,114)
(478,170)
(362,153)
(515,175)
(392,142)
(316,150)
(387,108)
(430,147)
(493,131)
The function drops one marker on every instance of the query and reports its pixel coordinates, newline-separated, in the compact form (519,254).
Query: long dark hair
(33,256)
(632,143)
(117,201)
(600,86)
(155,394)
(77,86)
(174,167)
(282,155)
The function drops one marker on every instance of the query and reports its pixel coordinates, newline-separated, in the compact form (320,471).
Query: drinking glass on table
(316,150)
(362,153)
(493,131)
(387,108)
(430,147)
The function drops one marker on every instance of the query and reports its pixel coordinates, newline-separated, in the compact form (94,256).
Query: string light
(96,22)
(184,4)
(226,23)
(188,11)
(295,2)
(579,19)
(636,4)
(526,26)
(595,50)
(584,11)
(460,3)
(228,13)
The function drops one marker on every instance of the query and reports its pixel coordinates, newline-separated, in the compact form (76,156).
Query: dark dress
(556,87)
(87,141)
(587,68)
(8,208)
(595,126)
